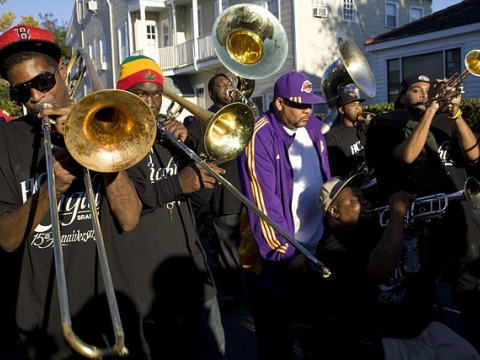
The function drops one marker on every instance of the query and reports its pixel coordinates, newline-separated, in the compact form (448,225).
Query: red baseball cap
(28,38)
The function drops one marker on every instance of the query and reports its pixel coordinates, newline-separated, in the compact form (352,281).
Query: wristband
(456,116)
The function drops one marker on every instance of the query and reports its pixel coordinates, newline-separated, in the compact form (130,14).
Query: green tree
(59,32)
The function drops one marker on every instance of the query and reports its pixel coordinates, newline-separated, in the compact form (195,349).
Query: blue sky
(62,9)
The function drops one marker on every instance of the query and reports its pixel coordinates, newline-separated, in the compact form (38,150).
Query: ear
(341,110)
(333,212)
(278,103)
(62,70)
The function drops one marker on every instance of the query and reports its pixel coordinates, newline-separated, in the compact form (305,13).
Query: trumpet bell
(110,130)
(250,41)
(472,192)
(472,62)
(229,132)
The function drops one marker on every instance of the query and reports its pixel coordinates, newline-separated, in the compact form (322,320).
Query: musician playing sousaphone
(31,62)
(425,147)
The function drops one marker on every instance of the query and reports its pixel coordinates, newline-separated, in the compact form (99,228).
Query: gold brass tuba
(250,41)
(350,69)
(101,134)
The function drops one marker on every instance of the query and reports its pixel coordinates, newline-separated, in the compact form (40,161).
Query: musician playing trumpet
(423,150)
(385,269)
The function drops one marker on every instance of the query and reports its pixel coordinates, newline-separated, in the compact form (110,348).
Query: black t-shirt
(401,307)
(345,150)
(440,168)
(22,171)
(167,261)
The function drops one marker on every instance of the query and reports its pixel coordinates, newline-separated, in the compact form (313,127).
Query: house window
(453,62)
(416,13)
(200,96)
(122,43)
(435,65)
(393,68)
(165,26)
(102,45)
(80,10)
(272,6)
(151,32)
(200,20)
(224,6)
(348,11)
(391,15)
(91,51)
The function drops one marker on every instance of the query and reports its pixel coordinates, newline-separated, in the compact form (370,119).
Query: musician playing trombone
(425,147)
(31,62)
(167,266)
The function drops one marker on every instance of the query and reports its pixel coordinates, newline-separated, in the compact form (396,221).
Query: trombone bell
(229,132)
(109,130)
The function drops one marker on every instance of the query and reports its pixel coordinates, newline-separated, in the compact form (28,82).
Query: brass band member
(31,62)
(422,150)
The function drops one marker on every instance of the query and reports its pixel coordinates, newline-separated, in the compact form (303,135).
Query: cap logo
(150,76)
(423,78)
(23,33)
(307,87)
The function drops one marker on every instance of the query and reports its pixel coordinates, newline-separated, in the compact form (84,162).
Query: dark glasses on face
(43,82)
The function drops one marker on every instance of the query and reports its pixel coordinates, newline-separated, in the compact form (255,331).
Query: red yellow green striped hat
(136,69)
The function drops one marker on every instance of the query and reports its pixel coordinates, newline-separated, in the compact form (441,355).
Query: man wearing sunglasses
(31,62)
(281,171)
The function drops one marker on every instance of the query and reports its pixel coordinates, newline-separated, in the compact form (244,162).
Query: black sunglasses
(43,82)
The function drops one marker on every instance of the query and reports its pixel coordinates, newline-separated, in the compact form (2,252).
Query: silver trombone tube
(317,264)
(86,350)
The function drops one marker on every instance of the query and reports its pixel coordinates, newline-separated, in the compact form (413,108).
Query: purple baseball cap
(296,87)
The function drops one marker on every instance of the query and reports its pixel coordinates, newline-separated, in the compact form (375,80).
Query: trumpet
(435,206)
(453,87)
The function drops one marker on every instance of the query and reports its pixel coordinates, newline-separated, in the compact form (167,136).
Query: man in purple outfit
(281,171)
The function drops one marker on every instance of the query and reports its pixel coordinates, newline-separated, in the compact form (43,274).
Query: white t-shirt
(307,180)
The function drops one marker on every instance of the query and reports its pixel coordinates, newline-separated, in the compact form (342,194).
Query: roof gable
(463,13)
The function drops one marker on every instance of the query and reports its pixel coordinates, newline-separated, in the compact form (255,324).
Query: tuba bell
(350,70)
(249,41)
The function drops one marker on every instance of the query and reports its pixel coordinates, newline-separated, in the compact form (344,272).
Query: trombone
(106,123)
(434,206)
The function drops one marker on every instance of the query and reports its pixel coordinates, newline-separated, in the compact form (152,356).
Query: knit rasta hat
(136,69)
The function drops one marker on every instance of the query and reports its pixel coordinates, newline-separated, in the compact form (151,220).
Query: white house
(178,34)
(435,45)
